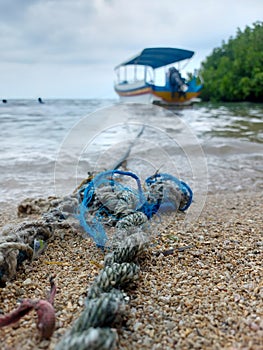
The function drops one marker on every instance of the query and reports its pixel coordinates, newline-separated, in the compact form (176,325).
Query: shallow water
(48,149)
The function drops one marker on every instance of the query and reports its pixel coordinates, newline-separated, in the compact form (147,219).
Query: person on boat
(40,100)
(176,81)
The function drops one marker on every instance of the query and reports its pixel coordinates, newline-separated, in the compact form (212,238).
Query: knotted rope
(103,202)
(105,199)
(105,299)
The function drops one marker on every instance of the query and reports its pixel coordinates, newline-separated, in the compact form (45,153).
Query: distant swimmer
(40,100)
(4,101)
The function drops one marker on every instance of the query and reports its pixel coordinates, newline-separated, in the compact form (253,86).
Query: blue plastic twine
(95,228)
(182,185)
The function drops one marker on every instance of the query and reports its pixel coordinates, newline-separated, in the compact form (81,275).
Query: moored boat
(136,78)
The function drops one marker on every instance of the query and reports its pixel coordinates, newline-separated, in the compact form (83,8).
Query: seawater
(47,149)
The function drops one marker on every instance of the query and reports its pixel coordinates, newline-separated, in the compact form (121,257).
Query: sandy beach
(200,284)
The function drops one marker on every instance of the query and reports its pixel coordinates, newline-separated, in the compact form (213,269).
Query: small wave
(31,152)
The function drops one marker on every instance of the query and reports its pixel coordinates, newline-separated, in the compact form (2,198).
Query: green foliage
(234,72)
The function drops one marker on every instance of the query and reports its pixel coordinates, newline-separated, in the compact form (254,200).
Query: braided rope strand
(93,339)
(129,242)
(115,275)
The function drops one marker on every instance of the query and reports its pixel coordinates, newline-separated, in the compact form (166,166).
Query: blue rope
(187,190)
(88,194)
(95,229)
(149,209)
(182,186)
(125,173)
(96,232)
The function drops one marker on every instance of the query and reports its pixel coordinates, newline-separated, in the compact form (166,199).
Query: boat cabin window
(159,79)
(133,73)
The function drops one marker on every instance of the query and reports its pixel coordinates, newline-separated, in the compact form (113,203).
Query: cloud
(83,31)
(45,31)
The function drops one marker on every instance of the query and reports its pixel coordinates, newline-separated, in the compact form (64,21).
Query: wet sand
(200,287)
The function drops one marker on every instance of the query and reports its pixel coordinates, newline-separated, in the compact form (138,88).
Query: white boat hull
(137,92)
(145,98)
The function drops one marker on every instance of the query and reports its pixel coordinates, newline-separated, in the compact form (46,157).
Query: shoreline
(206,297)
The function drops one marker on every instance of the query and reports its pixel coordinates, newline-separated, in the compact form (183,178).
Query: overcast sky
(69,48)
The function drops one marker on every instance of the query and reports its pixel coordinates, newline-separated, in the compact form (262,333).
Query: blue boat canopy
(158,57)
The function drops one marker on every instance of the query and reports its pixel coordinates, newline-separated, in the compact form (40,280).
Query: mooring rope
(127,153)
(105,299)
(104,306)
(104,201)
